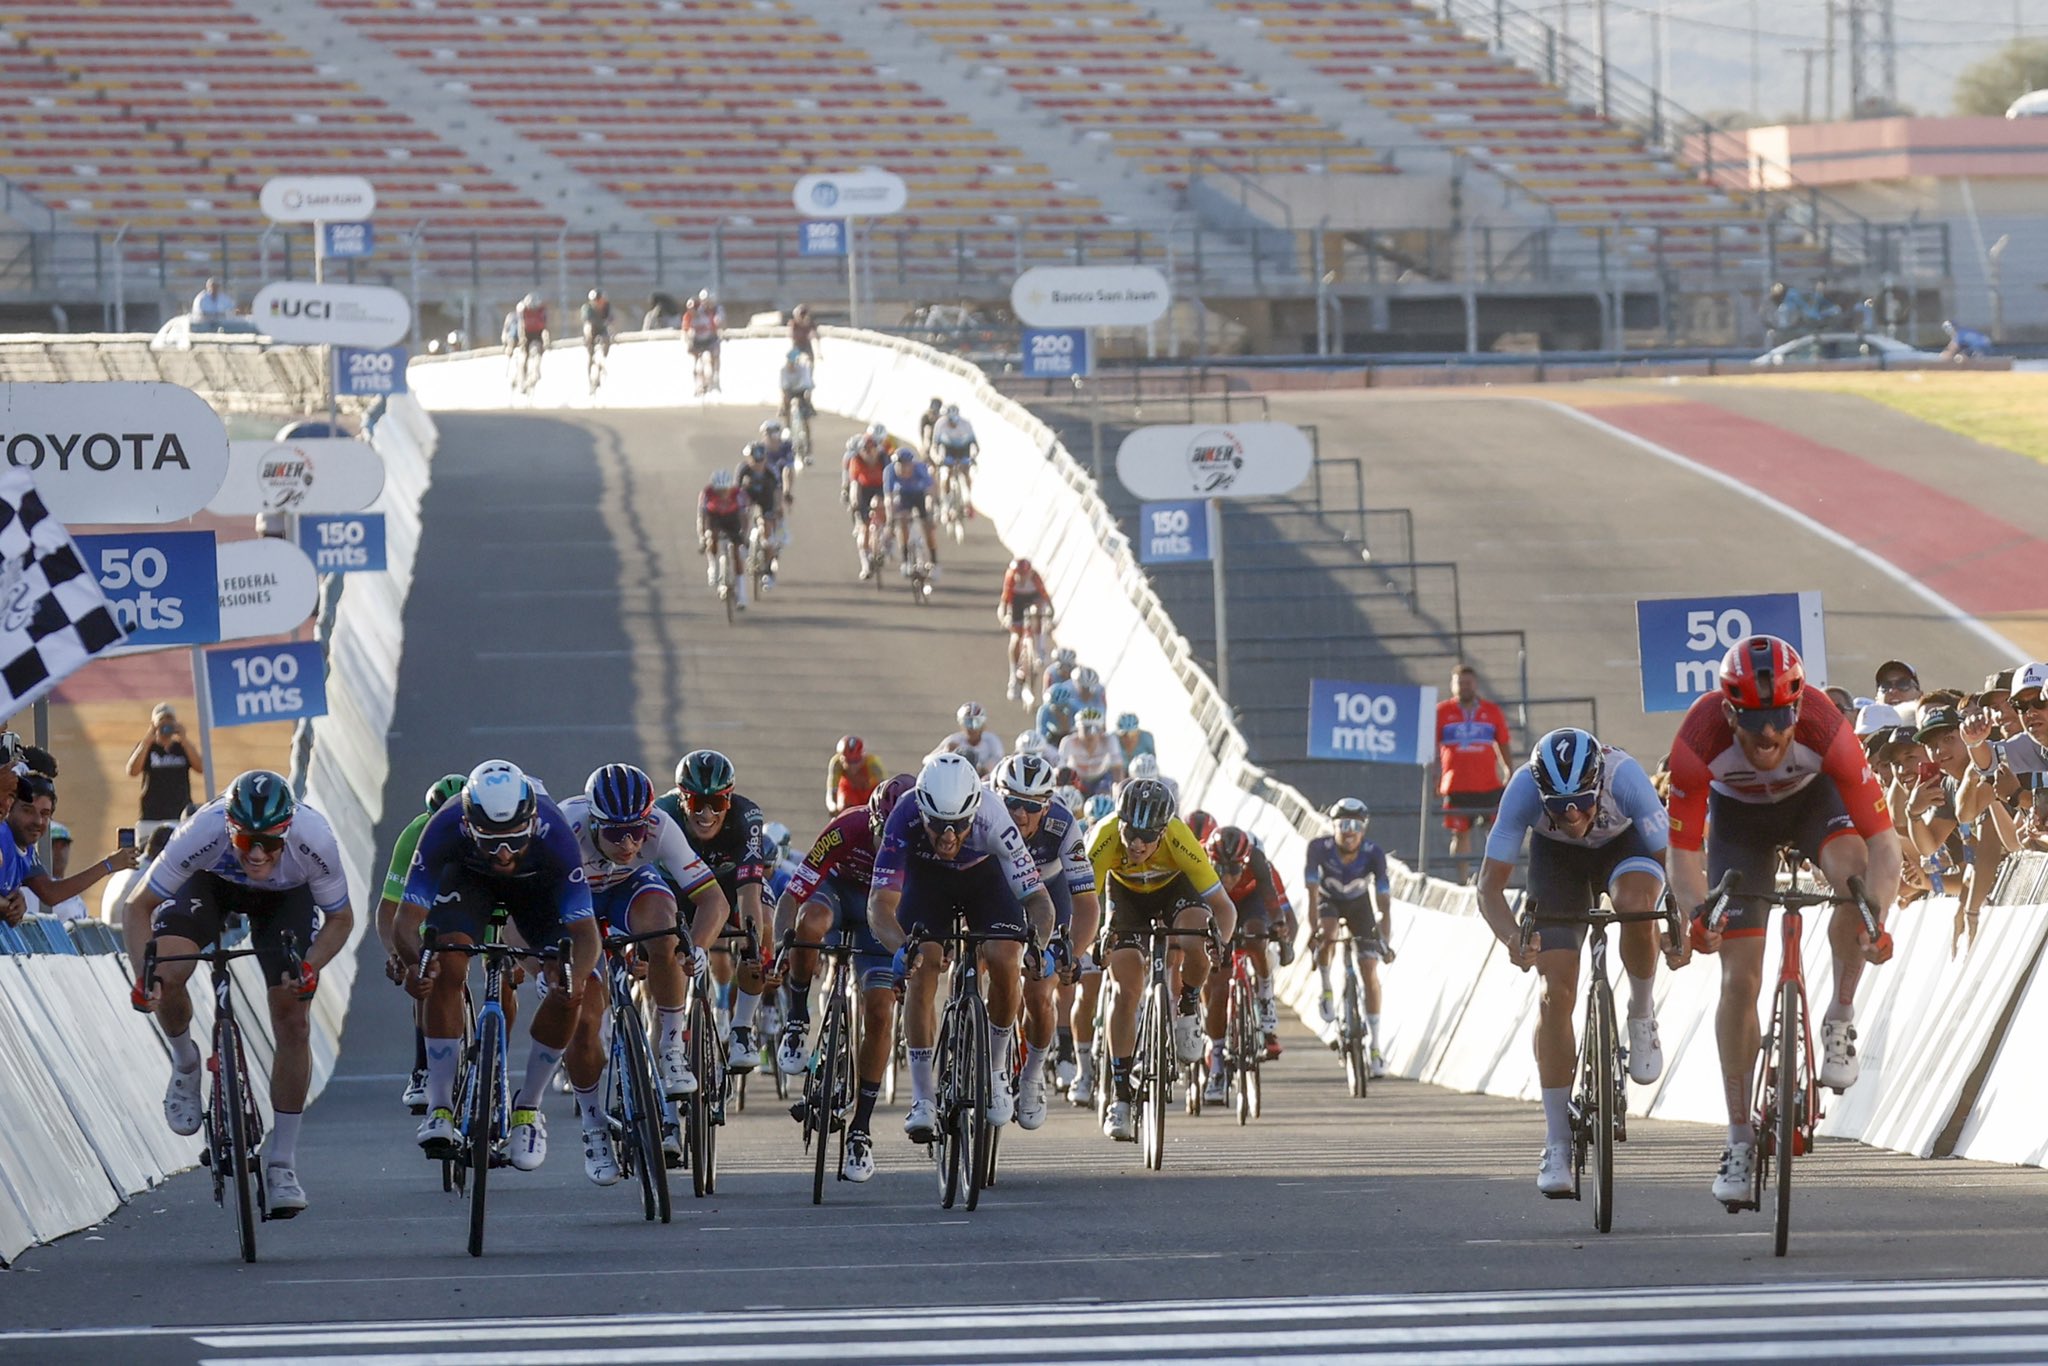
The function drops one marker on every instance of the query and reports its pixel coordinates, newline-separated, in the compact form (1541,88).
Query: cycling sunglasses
(270,842)
(1766,718)
(707,801)
(1573,804)
(2034,703)
(1351,827)
(959,825)
(1024,806)
(1135,835)
(629,830)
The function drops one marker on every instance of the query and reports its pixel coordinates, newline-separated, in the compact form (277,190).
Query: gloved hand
(700,962)
(1286,953)
(899,966)
(307,982)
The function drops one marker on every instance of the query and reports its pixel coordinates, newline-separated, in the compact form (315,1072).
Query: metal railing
(241,376)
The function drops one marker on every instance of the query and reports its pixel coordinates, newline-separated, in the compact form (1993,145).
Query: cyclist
(830,892)
(1059,712)
(1033,741)
(702,320)
(1199,822)
(597,326)
(502,843)
(1346,877)
(973,740)
(1132,740)
(803,334)
(1052,833)
(1059,669)
(1023,590)
(928,421)
(1255,889)
(851,775)
(1767,761)
(860,487)
(782,459)
(796,382)
(1599,827)
(782,865)
(533,326)
(1096,759)
(256,852)
(634,858)
(1152,872)
(761,482)
(722,526)
(953,439)
(1147,766)
(1088,685)
(444,787)
(946,854)
(908,485)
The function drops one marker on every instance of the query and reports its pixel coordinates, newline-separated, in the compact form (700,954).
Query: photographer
(166,762)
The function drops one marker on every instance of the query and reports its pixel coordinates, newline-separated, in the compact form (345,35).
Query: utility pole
(1828,99)
(1600,45)
(1807,54)
(1756,98)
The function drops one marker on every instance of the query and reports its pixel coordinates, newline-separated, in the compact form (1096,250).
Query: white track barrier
(82,1076)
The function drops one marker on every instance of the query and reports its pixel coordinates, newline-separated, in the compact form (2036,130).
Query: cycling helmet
(948,790)
(794,356)
(972,717)
(619,794)
(937,403)
(1144,766)
(704,773)
(953,412)
(724,480)
(883,800)
(1229,849)
(1762,673)
(260,802)
(1065,658)
(1087,680)
(1144,805)
(1064,695)
(851,750)
(1025,775)
(596,294)
(1127,722)
(877,432)
(905,455)
(1089,721)
(1567,763)
(1201,824)
(778,836)
(445,786)
(1030,742)
(801,311)
(752,451)
(1349,809)
(771,428)
(498,806)
(852,445)
(705,296)
(1021,565)
(1101,807)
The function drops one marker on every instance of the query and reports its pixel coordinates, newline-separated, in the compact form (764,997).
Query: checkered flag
(53,617)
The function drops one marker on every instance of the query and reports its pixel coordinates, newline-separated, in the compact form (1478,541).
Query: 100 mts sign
(255,683)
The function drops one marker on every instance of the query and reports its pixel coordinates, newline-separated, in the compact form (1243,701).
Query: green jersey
(401,857)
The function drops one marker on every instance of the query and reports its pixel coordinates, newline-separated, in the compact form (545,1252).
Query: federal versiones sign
(115,451)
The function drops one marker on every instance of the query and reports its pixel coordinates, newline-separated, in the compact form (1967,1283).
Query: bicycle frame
(828,1086)
(635,1105)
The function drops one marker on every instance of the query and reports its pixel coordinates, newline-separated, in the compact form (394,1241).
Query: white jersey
(956,432)
(984,753)
(310,857)
(796,378)
(667,846)
(1092,758)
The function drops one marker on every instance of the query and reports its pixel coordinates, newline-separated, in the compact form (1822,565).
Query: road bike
(952,495)
(597,354)
(828,1087)
(917,562)
(531,353)
(1788,1101)
(704,366)
(760,555)
(232,1123)
(1032,658)
(800,430)
(702,1113)
(721,575)
(962,1072)
(1157,1066)
(634,1104)
(1599,1103)
(483,1091)
(1244,1039)
(1352,1040)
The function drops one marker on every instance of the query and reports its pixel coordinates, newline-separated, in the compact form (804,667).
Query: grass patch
(1998,408)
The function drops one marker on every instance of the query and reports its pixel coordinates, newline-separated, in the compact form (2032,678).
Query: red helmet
(1200,824)
(1230,849)
(1762,673)
(852,750)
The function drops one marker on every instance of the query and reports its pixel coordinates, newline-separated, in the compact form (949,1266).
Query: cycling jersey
(1470,741)
(865,472)
(1627,801)
(992,840)
(1257,890)
(1025,588)
(736,854)
(1092,760)
(844,851)
(533,321)
(665,847)
(956,436)
(1345,881)
(551,863)
(310,857)
(722,504)
(762,484)
(1178,854)
(1060,851)
(598,318)
(703,323)
(852,786)
(1705,757)
(401,856)
(802,331)
(897,484)
(796,379)
(984,753)
(1055,723)
(781,454)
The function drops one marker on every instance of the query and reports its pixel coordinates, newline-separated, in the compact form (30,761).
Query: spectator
(166,762)
(1997,699)
(114,900)
(1472,742)
(72,907)
(2009,774)
(803,332)
(663,314)
(1875,717)
(1844,703)
(29,819)
(1899,686)
(212,304)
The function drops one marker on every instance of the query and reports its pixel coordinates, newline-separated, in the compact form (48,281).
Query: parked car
(183,331)
(1826,346)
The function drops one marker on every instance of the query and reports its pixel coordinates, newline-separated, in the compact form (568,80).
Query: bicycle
(961,1070)
(1599,1104)
(1244,1039)
(760,555)
(953,503)
(917,566)
(829,1083)
(597,354)
(1351,1040)
(233,1124)
(1157,1065)
(531,354)
(721,576)
(483,1094)
(1032,658)
(702,1114)
(800,431)
(1788,1105)
(634,1104)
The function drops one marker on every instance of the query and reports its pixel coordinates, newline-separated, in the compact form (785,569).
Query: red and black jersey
(1705,757)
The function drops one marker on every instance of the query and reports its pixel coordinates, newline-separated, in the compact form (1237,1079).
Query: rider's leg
(1736,1029)
(1556,1043)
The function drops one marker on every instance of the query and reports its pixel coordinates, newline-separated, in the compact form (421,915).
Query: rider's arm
(572,898)
(1686,811)
(1493,898)
(1520,807)
(1382,894)
(1845,764)
(835,770)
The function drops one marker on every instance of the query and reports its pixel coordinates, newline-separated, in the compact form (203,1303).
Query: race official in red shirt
(1472,757)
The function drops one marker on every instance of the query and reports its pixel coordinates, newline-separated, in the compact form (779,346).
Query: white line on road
(567,1274)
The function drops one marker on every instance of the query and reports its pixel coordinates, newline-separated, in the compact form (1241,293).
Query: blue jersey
(919,480)
(1346,880)
(781,454)
(907,845)
(552,857)
(1059,849)
(1627,799)
(779,878)
(1056,723)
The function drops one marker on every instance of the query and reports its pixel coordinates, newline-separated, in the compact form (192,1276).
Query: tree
(1993,84)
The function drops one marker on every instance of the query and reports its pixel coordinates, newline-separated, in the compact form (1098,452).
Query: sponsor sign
(301,313)
(1173,533)
(161,585)
(344,545)
(1374,723)
(251,684)
(317,474)
(872,193)
(1055,352)
(313,198)
(1090,296)
(1682,640)
(369,372)
(347,241)
(1246,460)
(267,587)
(115,451)
(821,237)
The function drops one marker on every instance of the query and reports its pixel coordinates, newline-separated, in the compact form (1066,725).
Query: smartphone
(1929,770)
(125,837)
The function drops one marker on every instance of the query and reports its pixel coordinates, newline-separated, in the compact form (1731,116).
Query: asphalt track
(561,618)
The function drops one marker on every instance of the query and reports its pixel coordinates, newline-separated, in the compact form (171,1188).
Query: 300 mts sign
(255,683)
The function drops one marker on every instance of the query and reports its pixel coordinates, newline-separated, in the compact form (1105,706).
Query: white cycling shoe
(283,1196)
(1839,1065)
(182,1105)
(600,1158)
(921,1125)
(1327,1006)
(1187,1038)
(1554,1175)
(859,1162)
(677,1080)
(1031,1100)
(1002,1097)
(1082,1092)
(1063,1073)
(415,1098)
(528,1142)
(1645,1051)
(438,1135)
(1738,1171)
(1218,1089)
(744,1053)
(1119,1123)
(793,1052)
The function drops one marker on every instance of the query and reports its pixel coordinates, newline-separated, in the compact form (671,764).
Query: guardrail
(237,376)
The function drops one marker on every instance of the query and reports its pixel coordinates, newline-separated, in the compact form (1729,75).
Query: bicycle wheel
(1244,1066)
(698,1136)
(1791,1029)
(643,1118)
(483,1115)
(822,1091)
(1603,1116)
(948,1068)
(1159,1067)
(229,1086)
(975,1090)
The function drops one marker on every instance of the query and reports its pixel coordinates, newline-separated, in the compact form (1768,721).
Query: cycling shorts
(911,502)
(202,908)
(1132,912)
(849,906)
(534,341)
(979,894)
(1359,919)
(701,345)
(1746,836)
(728,527)
(1463,810)
(766,499)
(959,456)
(1567,879)
(1020,607)
(865,496)
(465,897)
(614,902)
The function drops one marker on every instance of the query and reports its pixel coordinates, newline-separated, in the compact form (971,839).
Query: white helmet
(948,789)
(972,717)
(498,805)
(878,431)
(778,836)
(953,411)
(1030,742)
(724,480)
(1144,766)
(852,444)
(1025,775)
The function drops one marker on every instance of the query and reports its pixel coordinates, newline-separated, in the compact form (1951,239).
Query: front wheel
(643,1124)
(228,1099)
(1159,1069)
(1604,1119)
(483,1116)
(1791,1029)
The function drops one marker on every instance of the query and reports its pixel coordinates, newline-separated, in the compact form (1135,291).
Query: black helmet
(1146,804)
(704,773)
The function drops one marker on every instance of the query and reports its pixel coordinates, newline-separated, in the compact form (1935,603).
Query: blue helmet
(1101,807)
(619,794)
(260,802)
(1567,762)
(1064,695)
